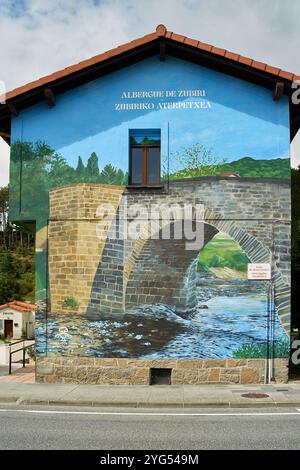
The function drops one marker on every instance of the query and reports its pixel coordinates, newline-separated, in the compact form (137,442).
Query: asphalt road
(129,429)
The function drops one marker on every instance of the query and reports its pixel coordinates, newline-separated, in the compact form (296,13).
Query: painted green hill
(248,167)
(245,167)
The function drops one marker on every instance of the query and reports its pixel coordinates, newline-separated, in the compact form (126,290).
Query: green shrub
(70,302)
(31,352)
(259,350)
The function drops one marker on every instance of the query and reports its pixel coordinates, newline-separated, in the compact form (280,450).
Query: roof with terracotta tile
(19,306)
(161,32)
(229,174)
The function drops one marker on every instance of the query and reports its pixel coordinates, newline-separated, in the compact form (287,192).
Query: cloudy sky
(42,36)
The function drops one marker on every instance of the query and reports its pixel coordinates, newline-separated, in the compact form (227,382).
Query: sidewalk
(19,374)
(143,396)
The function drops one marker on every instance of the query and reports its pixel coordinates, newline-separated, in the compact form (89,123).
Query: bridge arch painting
(110,157)
(151,297)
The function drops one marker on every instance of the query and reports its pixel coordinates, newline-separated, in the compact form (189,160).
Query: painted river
(228,317)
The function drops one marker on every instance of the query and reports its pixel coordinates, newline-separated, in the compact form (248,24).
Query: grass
(259,350)
(223,252)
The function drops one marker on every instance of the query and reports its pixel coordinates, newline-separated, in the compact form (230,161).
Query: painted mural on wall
(210,125)
(230,318)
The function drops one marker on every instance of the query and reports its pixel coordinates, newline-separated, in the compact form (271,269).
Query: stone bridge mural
(110,296)
(153,270)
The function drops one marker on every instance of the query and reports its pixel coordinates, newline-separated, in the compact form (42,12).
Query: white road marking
(111,413)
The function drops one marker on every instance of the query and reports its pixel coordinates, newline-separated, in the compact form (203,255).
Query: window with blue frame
(144,168)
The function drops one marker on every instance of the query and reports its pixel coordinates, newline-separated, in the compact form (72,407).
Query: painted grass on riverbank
(260,350)
(223,252)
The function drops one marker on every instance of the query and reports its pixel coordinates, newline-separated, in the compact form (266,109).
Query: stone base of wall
(137,371)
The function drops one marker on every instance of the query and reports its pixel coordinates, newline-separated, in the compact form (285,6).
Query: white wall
(18,318)
(5,349)
(4,163)
(295,151)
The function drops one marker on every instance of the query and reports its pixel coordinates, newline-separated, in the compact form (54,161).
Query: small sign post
(259,271)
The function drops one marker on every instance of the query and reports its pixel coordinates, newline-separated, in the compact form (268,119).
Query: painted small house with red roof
(156,177)
(17,320)
(230,175)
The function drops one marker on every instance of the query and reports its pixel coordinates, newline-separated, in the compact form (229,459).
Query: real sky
(42,36)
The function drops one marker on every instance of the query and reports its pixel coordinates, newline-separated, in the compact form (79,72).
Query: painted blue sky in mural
(234,118)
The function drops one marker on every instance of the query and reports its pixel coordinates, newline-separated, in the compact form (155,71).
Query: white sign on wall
(259,271)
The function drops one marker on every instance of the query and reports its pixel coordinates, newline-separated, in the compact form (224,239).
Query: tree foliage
(113,175)
(16,274)
(43,169)
(195,161)
(80,170)
(191,162)
(92,168)
(16,259)
(3,207)
(295,247)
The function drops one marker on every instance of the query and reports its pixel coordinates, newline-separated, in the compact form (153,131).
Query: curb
(9,400)
(141,404)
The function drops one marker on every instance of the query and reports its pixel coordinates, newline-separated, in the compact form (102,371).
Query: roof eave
(174,45)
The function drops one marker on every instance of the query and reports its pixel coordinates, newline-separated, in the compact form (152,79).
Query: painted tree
(92,168)
(112,175)
(80,170)
(196,161)
(42,169)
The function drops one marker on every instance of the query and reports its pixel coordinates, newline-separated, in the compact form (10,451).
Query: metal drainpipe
(273,309)
(267,361)
(273,314)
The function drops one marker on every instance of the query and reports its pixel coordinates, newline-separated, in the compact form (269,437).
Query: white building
(17,320)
